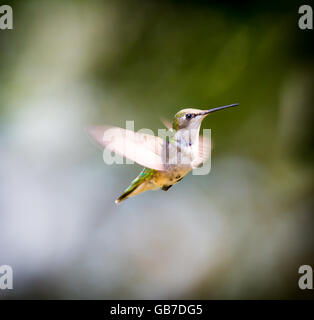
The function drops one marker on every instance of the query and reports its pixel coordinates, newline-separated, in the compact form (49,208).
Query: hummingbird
(165,161)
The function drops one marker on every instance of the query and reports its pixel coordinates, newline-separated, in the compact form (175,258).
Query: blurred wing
(166,123)
(142,148)
(204,150)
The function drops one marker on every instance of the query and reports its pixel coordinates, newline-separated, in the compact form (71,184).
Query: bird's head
(192,118)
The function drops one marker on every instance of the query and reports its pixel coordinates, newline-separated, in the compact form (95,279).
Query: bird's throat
(187,137)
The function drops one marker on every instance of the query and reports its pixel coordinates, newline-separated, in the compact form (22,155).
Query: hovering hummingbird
(165,161)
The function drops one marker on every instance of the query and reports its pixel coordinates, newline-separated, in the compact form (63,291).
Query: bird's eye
(188,116)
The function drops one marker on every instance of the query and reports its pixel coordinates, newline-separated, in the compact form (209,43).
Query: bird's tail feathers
(124,195)
(136,187)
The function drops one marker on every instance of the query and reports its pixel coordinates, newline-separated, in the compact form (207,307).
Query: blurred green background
(240,232)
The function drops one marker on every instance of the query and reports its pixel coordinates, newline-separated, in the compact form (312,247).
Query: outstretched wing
(166,123)
(204,150)
(145,149)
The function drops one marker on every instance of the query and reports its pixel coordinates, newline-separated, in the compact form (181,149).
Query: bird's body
(150,179)
(166,161)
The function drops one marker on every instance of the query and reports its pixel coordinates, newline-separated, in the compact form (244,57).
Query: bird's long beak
(218,108)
